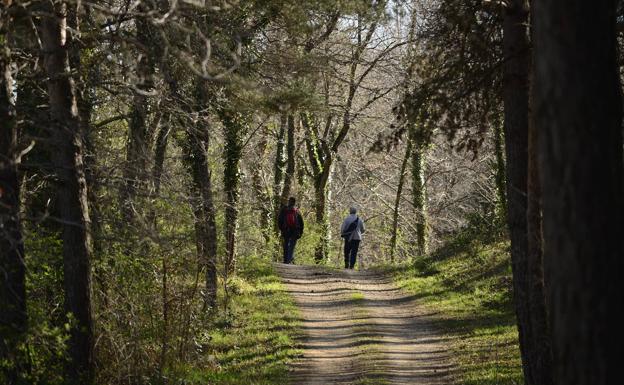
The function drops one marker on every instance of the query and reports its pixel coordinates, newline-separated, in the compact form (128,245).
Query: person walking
(351,231)
(290,223)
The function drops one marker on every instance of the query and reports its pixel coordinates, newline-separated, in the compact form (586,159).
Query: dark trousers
(350,253)
(289,249)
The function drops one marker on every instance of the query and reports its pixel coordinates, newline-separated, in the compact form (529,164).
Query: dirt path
(360,329)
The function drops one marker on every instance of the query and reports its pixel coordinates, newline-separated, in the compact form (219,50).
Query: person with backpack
(351,231)
(290,223)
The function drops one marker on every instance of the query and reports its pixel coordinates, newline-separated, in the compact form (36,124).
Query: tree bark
(12,270)
(397,200)
(263,197)
(419,195)
(499,149)
(289,176)
(578,110)
(160,150)
(137,147)
(233,126)
(321,195)
(321,160)
(278,172)
(71,191)
(516,103)
(86,78)
(205,224)
(541,360)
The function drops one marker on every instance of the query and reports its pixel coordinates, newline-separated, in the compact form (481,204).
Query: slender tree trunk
(12,272)
(84,88)
(280,164)
(578,110)
(164,348)
(420,197)
(499,149)
(321,161)
(162,138)
(205,225)
(419,190)
(233,126)
(137,148)
(321,195)
(71,193)
(263,196)
(397,200)
(516,102)
(289,176)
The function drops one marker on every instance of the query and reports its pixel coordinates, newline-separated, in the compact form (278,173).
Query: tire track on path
(360,329)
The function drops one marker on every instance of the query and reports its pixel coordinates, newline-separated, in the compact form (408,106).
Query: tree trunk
(321,186)
(205,224)
(278,173)
(263,197)
(86,78)
(321,160)
(137,147)
(233,126)
(541,359)
(12,272)
(516,102)
(162,138)
(578,110)
(289,176)
(419,190)
(499,149)
(397,200)
(71,192)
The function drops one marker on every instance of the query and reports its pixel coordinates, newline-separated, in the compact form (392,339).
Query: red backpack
(291,218)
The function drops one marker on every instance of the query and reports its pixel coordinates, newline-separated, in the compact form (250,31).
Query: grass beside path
(468,286)
(255,342)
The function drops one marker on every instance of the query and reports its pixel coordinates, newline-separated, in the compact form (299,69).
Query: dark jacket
(290,232)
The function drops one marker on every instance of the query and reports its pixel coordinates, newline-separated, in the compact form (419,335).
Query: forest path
(360,329)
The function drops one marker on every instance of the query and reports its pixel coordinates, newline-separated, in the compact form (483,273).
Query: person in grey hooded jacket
(351,231)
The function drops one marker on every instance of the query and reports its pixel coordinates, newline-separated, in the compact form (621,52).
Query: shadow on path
(360,329)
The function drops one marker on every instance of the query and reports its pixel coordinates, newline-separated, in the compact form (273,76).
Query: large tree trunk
(397,200)
(541,359)
(578,110)
(71,192)
(516,102)
(12,272)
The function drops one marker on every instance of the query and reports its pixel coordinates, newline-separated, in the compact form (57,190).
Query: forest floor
(359,328)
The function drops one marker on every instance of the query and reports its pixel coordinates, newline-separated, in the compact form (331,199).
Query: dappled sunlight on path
(360,329)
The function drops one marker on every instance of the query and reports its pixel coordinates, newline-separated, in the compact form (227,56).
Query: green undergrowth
(254,342)
(466,285)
